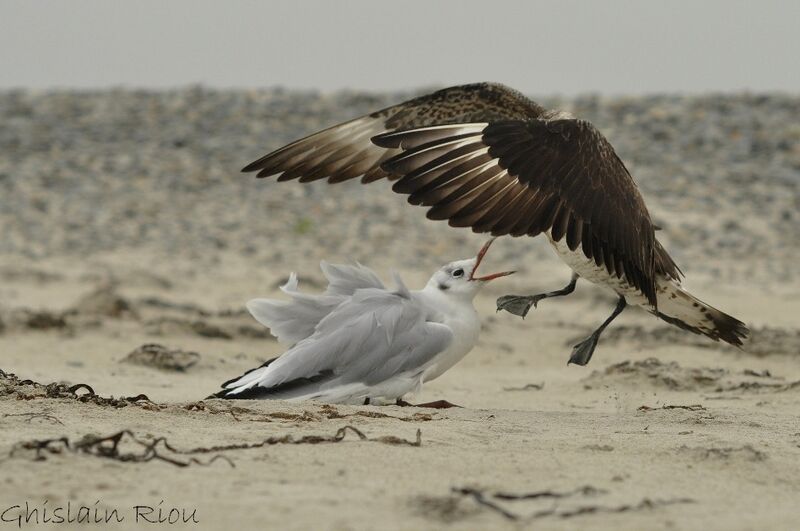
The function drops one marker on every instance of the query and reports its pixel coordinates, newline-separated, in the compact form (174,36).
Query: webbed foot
(518,304)
(582,352)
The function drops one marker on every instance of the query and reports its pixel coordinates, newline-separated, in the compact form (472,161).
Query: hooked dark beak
(480,256)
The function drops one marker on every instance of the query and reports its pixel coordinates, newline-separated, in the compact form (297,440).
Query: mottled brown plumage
(528,177)
(486,157)
(503,165)
(345,151)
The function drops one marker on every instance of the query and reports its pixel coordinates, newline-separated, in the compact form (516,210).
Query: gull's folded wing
(373,336)
(293,320)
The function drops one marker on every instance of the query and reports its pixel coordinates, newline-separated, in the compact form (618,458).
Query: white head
(459,278)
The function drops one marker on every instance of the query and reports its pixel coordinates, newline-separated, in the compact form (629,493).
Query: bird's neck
(445,301)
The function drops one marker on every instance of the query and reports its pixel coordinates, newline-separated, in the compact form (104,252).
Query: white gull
(359,342)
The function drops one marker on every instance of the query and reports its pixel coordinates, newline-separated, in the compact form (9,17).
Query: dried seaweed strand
(481,499)
(109,446)
(33,415)
(59,390)
(586,490)
(486,500)
(692,407)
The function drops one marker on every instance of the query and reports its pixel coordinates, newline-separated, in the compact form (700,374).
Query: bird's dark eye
(458,273)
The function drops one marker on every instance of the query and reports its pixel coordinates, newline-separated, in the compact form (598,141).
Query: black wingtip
(264,166)
(389,166)
(253,166)
(386,140)
(219,394)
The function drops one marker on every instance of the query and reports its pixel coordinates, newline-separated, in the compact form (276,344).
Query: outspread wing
(345,151)
(487,157)
(527,177)
(293,320)
(374,335)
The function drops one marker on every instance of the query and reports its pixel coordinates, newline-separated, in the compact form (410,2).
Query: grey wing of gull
(345,279)
(293,320)
(373,336)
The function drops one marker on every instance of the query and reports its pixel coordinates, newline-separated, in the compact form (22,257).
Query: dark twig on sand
(305,439)
(481,499)
(109,447)
(489,500)
(526,387)
(586,490)
(693,407)
(33,415)
(81,392)
(645,504)
(161,450)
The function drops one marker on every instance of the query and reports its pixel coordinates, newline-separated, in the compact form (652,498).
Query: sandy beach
(125,223)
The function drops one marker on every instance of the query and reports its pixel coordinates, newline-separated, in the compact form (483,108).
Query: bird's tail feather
(298,388)
(293,320)
(240,382)
(680,308)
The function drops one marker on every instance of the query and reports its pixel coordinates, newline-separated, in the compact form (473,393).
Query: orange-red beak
(480,256)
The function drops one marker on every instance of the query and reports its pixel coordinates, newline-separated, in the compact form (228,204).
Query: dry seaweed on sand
(35,415)
(692,407)
(163,358)
(492,502)
(117,446)
(311,439)
(11,384)
(110,447)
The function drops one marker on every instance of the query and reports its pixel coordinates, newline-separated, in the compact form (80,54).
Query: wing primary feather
(574,232)
(586,240)
(526,219)
(464,188)
(412,183)
(271,163)
(499,220)
(433,193)
(559,226)
(421,182)
(408,139)
(483,204)
(413,163)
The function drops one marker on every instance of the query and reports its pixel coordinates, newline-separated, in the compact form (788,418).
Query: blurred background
(124,126)
(540,47)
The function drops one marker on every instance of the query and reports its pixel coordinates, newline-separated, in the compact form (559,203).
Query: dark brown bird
(484,156)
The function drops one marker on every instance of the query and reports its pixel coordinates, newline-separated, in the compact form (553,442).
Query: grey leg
(582,352)
(521,304)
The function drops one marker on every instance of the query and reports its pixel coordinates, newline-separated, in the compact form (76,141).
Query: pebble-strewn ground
(96,171)
(129,242)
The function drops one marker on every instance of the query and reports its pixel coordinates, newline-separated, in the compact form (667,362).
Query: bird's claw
(536,298)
